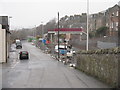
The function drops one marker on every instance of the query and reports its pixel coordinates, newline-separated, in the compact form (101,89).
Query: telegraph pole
(42,30)
(58,37)
(35,31)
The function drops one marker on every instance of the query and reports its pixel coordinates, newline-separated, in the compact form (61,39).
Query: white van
(17,41)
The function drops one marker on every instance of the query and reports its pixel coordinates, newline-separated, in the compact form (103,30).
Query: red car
(23,55)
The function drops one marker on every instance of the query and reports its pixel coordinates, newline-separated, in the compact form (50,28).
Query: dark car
(18,46)
(23,55)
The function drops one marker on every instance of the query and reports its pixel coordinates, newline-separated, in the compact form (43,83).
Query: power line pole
(58,37)
(35,31)
(42,30)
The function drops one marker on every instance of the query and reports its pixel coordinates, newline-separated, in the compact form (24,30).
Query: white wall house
(2,45)
(4,39)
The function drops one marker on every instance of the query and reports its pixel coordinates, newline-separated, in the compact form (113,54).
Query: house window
(116,28)
(112,25)
(112,14)
(116,23)
(107,24)
(117,13)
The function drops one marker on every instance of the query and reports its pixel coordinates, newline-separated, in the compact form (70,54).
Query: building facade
(2,45)
(4,39)
(112,17)
(108,18)
(96,21)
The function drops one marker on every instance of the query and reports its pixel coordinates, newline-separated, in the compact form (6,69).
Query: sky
(31,13)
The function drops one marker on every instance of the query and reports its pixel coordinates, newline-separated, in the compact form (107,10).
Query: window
(107,24)
(116,28)
(116,23)
(111,25)
(112,14)
(117,13)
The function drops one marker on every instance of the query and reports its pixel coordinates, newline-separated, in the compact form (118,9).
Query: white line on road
(15,64)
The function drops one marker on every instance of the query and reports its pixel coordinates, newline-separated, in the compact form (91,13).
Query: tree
(102,31)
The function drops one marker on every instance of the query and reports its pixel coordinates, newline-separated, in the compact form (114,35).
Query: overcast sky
(28,13)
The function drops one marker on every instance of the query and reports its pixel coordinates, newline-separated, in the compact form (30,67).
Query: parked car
(23,55)
(60,47)
(18,45)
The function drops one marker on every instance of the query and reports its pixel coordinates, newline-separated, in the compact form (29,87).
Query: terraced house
(112,17)
(108,18)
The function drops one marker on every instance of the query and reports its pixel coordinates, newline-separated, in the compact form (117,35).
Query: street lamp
(87,24)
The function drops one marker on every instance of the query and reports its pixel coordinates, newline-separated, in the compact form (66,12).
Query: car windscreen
(24,52)
(18,43)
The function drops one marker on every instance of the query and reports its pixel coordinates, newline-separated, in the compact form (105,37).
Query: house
(96,21)
(108,18)
(112,17)
(119,26)
(4,39)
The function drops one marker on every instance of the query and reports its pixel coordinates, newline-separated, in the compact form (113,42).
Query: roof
(66,30)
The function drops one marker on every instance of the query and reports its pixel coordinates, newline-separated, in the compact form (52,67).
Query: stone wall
(102,66)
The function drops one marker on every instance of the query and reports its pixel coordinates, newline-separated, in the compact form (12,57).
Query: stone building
(112,17)
(96,21)
(119,25)
(108,18)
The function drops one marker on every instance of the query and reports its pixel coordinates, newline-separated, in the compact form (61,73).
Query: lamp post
(87,25)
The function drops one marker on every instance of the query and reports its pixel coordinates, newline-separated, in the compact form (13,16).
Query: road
(42,71)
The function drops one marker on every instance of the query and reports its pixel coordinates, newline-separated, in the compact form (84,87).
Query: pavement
(42,71)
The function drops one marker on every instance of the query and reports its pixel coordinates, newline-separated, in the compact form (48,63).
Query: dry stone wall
(102,64)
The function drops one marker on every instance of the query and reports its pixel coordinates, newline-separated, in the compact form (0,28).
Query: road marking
(15,64)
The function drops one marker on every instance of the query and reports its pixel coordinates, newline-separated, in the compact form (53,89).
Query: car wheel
(21,58)
(27,57)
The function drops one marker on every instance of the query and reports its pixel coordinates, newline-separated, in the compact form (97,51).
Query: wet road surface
(42,71)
